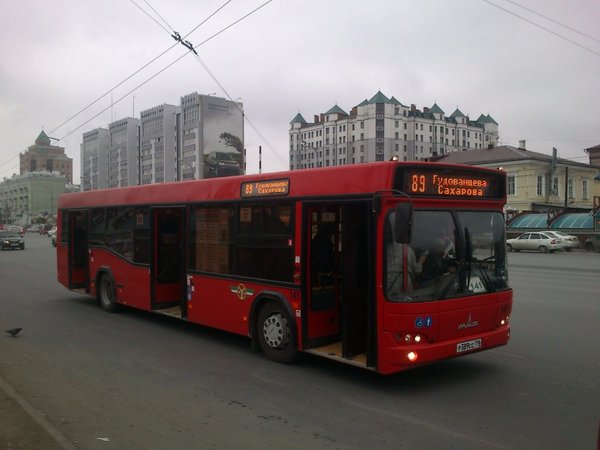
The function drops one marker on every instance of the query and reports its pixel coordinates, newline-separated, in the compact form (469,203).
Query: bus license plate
(468,345)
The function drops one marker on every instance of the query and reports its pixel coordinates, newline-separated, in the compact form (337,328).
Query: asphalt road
(137,380)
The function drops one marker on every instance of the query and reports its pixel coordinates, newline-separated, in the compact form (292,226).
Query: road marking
(37,416)
(413,420)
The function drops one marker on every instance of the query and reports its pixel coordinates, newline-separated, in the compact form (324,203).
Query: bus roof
(358,179)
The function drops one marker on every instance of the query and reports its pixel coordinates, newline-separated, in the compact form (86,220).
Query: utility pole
(566,187)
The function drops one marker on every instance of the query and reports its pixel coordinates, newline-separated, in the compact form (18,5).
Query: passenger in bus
(322,252)
(399,255)
(438,261)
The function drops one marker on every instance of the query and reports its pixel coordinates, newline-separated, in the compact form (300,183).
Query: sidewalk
(24,428)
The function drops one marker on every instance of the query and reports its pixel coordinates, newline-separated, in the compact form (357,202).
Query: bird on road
(14,331)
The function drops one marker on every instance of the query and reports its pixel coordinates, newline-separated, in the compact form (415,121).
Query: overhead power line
(123,97)
(192,48)
(88,106)
(543,28)
(574,30)
(161,17)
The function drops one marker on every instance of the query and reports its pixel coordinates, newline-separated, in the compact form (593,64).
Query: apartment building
(203,137)
(158,144)
(94,159)
(381,128)
(123,155)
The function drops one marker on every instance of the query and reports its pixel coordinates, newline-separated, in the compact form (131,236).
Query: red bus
(385,266)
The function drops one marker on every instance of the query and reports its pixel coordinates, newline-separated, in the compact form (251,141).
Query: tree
(232,141)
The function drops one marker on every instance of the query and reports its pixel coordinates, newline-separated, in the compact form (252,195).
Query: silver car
(537,241)
(568,240)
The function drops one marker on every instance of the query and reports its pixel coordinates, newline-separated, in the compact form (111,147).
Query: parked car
(539,241)
(20,230)
(568,240)
(52,232)
(11,240)
(593,243)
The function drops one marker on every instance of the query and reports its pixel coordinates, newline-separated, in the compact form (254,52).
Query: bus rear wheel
(106,293)
(275,335)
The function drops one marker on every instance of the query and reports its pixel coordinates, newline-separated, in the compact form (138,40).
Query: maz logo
(468,324)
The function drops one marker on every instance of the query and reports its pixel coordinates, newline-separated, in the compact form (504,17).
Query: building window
(511,182)
(584,189)
(570,188)
(540,185)
(555,186)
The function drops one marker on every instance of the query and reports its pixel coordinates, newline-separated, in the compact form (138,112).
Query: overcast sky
(541,85)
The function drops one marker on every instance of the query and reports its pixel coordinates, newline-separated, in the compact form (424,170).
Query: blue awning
(573,221)
(530,221)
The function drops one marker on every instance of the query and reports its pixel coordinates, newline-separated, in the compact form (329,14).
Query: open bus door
(167,267)
(340,303)
(78,228)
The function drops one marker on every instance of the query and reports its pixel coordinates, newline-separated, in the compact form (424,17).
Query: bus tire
(106,293)
(275,335)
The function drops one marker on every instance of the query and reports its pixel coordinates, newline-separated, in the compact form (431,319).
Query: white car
(52,232)
(568,240)
(538,241)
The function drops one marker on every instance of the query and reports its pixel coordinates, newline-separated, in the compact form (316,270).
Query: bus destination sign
(267,188)
(452,184)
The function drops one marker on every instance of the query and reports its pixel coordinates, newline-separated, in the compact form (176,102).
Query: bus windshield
(451,254)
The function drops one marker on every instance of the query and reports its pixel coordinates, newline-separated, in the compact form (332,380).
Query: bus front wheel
(275,335)
(106,293)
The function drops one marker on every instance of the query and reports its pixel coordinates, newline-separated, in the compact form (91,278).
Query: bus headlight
(412,356)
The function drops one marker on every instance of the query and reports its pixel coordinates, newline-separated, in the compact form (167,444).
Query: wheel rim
(275,331)
(543,249)
(106,292)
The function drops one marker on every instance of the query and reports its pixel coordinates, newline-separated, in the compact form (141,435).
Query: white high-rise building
(94,159)
(201,138)
(123,154)
(158,144)
(381,128)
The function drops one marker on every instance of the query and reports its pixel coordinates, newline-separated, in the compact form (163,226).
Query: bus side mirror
(403,223)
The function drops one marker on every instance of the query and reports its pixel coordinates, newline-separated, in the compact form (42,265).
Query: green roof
(298,119)
(489,119)
(457,113)
(363,103)
(336,110)
(42,139)
(379,98)
(436,109)
(395,101)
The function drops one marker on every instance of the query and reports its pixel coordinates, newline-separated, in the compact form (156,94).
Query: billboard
(222,137)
